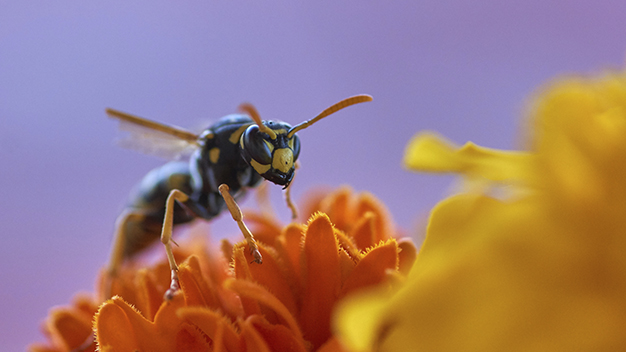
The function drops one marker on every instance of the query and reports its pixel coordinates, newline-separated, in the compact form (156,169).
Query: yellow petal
(429,152)
(359,320)
(407,255)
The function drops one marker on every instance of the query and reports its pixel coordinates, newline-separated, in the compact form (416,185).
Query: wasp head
(272,147)
(272,155)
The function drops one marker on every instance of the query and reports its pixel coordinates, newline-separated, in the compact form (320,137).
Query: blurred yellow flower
(530,257)
(229,303)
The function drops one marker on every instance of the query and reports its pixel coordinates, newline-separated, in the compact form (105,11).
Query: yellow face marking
(283,159)
(290,143)
(234,138)
(280,131)
(258,167)
(214,155)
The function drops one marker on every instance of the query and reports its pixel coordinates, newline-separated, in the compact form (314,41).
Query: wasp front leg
(237,215)
(168,222)
(166,238)
(290,204)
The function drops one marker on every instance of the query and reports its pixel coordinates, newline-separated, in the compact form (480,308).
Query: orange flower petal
(364,232)
(85,303)
(242,271)
(215,325)
(277,337)
(122,285)
(121,326)
(195,287)
(227,248)
(69,328)
(291,245)
(312,202)
(148,295)
(38,347)
(218,339)
(190,339)
(383,223)
(322,279)
(253,340)
(289,248)
(114,329)
(332,345)
(166,317)
(337,207)
(254,290)
(346,263)
(348,244)
(372,269)
(264,228)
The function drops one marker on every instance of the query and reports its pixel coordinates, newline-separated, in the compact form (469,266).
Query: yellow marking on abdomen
(214,155)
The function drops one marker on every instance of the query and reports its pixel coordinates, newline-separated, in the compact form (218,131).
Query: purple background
(462,69)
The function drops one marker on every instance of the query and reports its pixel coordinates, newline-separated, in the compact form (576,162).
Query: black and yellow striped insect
(227,158)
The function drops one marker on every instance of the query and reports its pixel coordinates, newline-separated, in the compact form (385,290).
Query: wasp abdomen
(147,204)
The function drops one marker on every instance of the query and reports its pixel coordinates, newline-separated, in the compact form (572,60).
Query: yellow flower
(284,304)
(531,256)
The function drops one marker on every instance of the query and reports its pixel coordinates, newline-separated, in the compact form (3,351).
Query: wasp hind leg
(120,248)
(237,215)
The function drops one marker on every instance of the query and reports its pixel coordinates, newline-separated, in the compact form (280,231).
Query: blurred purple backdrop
(461,68)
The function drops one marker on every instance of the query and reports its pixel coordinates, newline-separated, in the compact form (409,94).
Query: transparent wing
(154,138)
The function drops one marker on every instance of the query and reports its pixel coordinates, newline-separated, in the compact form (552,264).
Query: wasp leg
(166,238)
(235,211)
(294,210)
(290,204)
(118,253)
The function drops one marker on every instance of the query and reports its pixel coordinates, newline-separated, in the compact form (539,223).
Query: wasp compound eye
(294,144)
(256,147)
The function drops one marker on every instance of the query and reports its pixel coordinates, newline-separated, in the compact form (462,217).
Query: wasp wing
(154,138)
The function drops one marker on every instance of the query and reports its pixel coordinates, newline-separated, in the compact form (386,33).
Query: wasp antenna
(254,114)
(361,98)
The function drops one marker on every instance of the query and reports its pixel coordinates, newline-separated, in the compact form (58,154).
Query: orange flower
(284,304)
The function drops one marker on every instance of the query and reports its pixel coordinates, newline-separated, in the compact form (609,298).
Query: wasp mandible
(227,158)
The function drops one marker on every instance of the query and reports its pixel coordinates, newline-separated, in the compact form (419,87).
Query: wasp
(228,158)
